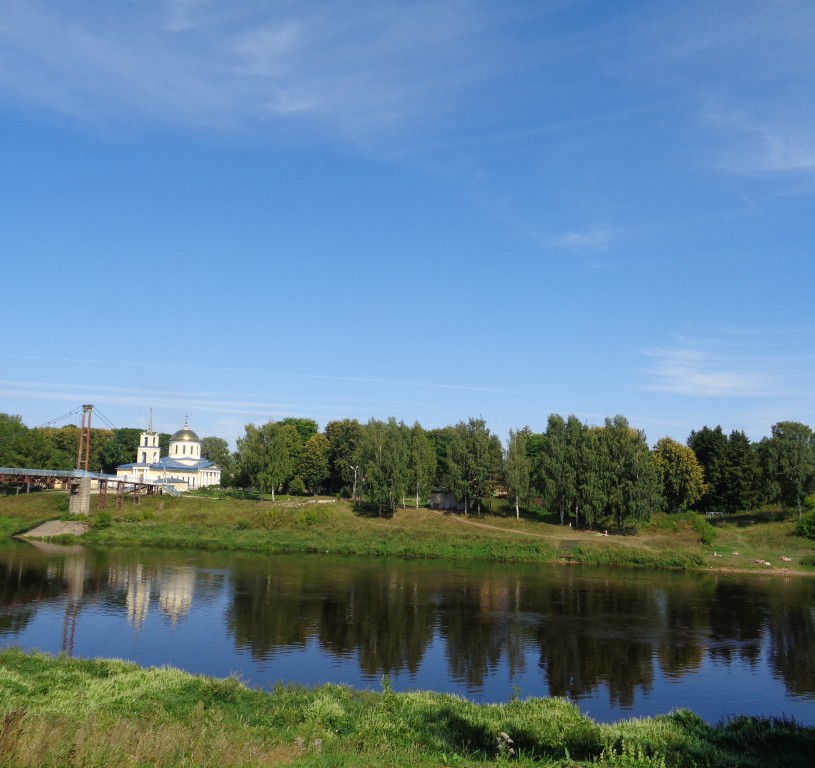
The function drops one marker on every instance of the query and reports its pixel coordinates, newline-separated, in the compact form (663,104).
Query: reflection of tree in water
(686,620)
(792,639)
(737,615)
(25,582)
(387,617)
(597,633)
(270,610)
(381,614)
(15,619)
(22,582)
(481,622)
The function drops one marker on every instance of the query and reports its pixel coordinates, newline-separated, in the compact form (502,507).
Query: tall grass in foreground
(63,712)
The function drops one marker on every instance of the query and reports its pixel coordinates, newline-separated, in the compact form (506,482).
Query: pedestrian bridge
(75,479)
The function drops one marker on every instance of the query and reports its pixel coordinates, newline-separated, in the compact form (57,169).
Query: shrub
(297,487)
(103,520)
(137,515)
(806,525)
(707,533)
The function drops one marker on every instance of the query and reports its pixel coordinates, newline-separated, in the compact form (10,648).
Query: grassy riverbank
(306,525)
(64,712)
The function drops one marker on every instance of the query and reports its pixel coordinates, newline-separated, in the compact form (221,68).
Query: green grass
(59,711)
(301,525)
(24,511)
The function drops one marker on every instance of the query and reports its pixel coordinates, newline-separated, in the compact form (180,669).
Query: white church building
(184,467)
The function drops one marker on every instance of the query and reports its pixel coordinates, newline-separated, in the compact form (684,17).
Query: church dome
(185,435)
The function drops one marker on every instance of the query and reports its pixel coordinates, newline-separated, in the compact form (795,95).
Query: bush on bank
(806,525)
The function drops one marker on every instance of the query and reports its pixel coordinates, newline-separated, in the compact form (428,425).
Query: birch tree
(422,462)
(517,469)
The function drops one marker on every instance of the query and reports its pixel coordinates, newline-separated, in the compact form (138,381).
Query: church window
(144,457)
(184,449)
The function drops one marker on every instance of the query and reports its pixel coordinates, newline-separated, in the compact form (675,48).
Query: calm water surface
(618,643)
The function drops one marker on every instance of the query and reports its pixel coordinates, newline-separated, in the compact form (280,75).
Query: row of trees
(584,474)
(387,459)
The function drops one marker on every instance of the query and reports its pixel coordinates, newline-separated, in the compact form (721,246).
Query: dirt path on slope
(475,523)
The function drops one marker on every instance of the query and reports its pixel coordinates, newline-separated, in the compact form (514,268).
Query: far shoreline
(319,526)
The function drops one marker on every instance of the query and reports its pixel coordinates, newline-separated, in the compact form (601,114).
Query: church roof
(168,464)
(185,434)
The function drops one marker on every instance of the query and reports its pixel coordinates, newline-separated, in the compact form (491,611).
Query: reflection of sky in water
(180,616)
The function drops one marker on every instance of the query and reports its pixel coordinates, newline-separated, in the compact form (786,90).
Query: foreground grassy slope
(303,525)
(63,712)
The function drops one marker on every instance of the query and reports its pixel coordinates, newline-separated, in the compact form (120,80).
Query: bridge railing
(46,472)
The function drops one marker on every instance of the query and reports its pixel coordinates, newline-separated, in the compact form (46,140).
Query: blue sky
(428,209)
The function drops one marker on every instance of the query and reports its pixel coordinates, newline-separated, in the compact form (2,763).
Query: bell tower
(148,450)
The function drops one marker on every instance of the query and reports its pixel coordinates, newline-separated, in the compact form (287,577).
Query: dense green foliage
(60,711)
(806,525)
(343,440)
(789,458)
(733,476)
(216,449)
(584,475)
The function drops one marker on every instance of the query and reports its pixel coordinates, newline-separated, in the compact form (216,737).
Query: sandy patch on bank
(56,528)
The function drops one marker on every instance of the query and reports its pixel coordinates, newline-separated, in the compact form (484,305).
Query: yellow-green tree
(681,474)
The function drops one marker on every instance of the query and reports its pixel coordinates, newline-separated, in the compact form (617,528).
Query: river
(619,643)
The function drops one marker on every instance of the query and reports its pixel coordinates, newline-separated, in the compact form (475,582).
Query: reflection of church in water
(184,467)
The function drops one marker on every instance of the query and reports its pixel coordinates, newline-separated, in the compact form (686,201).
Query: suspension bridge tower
(80,502)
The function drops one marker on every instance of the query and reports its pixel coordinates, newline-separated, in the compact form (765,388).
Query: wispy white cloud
(771,365)
(748,72)
(266,374)
(769,143)
(695,372)
(114,404)
(592,240)
(356,71)
(211,412)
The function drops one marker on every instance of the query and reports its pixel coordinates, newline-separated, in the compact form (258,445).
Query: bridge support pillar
(80,501)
